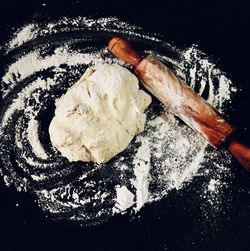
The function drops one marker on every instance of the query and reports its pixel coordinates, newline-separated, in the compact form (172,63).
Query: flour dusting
(165,157)
(141,163)
(32,131)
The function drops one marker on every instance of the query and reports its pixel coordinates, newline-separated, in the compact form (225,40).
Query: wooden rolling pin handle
(159,80)
(124,51)
(241,152)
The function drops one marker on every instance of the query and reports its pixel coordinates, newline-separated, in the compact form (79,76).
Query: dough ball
(99,115)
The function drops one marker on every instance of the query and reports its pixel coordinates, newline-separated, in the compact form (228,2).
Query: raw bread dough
(99,115)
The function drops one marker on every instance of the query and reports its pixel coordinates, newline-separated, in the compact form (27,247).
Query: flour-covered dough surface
(99,115)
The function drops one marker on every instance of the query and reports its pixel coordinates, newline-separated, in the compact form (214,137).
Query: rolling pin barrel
(187,104)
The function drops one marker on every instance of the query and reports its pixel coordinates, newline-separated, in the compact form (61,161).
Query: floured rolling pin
(178,96)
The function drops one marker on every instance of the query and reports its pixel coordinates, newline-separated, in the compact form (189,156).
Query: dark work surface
(220,29)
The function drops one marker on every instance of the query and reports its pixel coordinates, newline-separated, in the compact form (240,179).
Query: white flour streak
(32,131)
(141,165)
(23,35)
(191,169)
(19,102)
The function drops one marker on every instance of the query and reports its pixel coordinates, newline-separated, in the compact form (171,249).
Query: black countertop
(221,29)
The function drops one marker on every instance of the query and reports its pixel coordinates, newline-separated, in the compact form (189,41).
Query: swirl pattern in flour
(41,62)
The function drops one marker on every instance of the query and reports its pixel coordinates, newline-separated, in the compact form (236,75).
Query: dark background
(220,29)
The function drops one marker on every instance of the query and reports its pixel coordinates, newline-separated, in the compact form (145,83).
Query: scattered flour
(213,185)
(141,163)
(165,156)
(22,35)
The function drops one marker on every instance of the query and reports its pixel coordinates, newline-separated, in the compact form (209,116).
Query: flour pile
(165,156)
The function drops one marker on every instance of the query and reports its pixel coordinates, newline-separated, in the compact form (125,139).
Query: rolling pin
(182,100)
